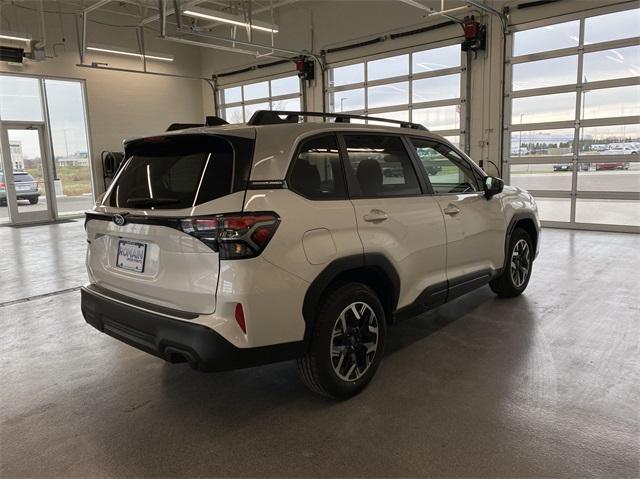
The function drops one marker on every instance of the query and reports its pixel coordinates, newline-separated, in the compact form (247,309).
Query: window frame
(352,182)
(296,152)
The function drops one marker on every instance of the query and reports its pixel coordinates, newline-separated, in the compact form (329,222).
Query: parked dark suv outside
(26,188)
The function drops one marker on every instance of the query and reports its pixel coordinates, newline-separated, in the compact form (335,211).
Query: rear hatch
(142,242)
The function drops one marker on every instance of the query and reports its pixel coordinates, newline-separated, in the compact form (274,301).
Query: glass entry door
(25,193)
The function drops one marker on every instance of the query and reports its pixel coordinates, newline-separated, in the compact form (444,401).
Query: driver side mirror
(492,186)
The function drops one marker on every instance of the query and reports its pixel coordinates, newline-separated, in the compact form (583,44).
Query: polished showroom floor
(546,384)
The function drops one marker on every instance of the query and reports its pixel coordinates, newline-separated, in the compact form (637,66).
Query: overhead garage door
(572,118)
(421,85)
(238,102)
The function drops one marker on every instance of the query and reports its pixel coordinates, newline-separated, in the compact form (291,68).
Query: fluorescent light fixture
(16,37)
(162,58)
(198,12)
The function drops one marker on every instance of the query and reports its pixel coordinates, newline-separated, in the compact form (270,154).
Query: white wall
(120,105)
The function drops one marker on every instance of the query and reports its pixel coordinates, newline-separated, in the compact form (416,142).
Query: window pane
(391,115)
(20,99)
(455,140)
(554,209)
(447,172)
(388,95)
(613,26)
(251,109)
(381,166)
(542,143)
(436,88)
(556,177)
(608,212)
(439,118)
(317,172)
(346,75)
(290,104)
(234,115)
(610,140)
(543,108)
(436,59)
(285,86)
(254,91)
(65,101)
(347,100)
(232,95)
(615,176)
(388,67)
(542,39)
(611,102)
(545,73)
(610,64)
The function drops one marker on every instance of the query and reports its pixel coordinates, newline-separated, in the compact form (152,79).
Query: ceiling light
(163,58)
(197,12)
(16,37)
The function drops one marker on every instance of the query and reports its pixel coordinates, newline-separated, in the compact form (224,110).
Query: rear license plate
(23,187)
(131,255)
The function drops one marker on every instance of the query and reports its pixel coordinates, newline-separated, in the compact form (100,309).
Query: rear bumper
(176,340)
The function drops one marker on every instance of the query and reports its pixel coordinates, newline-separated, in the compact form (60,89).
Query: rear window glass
(181,171)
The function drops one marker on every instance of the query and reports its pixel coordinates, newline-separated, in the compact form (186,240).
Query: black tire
(318,369)
(34,201)
(506,285)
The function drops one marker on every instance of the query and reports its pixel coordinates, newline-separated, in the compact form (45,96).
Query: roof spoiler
(210,121)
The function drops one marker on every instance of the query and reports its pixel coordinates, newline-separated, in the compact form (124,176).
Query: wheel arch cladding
(371,269)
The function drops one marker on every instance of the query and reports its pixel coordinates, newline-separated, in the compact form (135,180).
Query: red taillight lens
(234,236)
(1,185)
(240,318)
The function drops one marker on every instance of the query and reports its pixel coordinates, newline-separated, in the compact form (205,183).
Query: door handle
(451,210)
(375,216)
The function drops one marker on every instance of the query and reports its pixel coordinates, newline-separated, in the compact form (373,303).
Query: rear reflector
(234,236)
(240,318)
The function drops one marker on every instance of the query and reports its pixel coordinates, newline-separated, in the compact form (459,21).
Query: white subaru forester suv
(238,245)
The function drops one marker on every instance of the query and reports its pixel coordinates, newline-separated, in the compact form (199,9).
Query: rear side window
(181,171)
(317,172)
(381,167)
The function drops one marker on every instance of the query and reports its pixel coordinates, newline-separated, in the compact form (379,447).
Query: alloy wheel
(520,263)
(354,341)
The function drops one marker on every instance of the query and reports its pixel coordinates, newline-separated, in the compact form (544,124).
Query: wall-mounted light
(16,37)
(118,51)
(197,12)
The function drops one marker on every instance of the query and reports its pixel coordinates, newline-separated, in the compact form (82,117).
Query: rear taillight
(1,185)
(234,236)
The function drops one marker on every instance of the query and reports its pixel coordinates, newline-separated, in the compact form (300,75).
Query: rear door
(395,216)
(475,226)
(142,242)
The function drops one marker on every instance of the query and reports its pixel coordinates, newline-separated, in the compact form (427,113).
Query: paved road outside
(66,205)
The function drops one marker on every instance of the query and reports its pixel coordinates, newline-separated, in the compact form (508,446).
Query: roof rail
(274,117)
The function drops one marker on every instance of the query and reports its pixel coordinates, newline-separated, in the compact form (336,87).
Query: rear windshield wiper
(151,201)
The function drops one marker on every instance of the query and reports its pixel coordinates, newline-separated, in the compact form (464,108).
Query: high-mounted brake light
(234,236)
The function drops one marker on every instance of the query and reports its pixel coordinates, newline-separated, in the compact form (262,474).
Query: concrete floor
(546,384)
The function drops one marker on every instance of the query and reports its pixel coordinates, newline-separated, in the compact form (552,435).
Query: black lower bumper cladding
(175,340)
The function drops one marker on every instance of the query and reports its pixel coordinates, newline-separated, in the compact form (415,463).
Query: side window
(448,173)
(317,171)
(381,167)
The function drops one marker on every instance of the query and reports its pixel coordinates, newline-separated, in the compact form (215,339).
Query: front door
(25,192)
(395,217)
(475,226)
